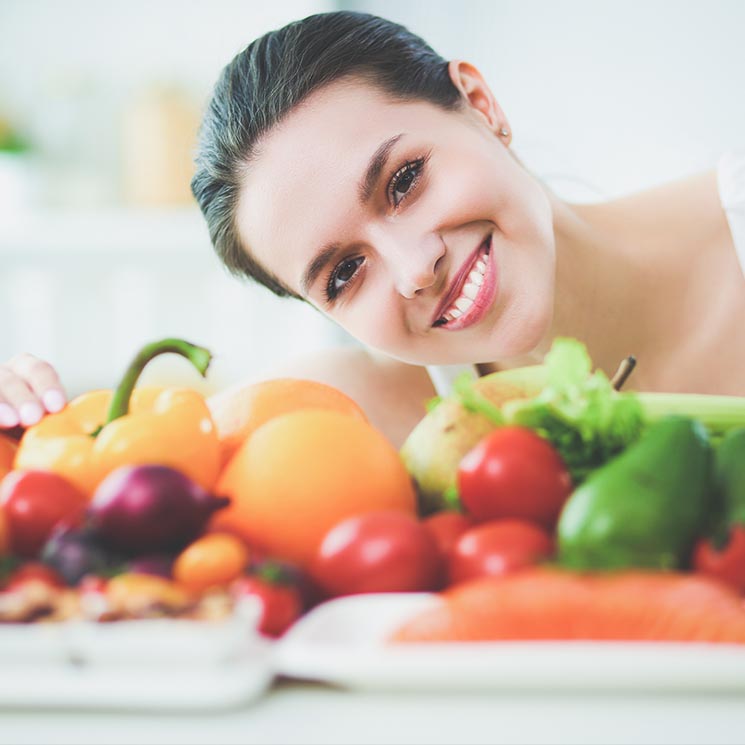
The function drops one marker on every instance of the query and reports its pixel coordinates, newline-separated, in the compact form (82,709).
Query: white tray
(343,642)
(156,664)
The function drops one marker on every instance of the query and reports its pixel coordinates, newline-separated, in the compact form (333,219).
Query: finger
(8,415)
(20,399)
(42,379)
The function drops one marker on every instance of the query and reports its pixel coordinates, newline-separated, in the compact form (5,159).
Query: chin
(523,330)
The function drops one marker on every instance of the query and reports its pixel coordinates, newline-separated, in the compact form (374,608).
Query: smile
(476,294)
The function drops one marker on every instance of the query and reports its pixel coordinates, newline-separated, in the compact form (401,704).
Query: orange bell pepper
(167,426)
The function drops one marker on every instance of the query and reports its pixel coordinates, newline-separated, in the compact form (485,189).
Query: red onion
(150,509)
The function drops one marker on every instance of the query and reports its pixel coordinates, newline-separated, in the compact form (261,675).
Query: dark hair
(265,81)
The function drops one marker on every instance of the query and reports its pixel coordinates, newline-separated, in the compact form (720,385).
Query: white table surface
(293,712)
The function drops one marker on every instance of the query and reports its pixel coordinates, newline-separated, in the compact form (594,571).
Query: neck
(598,296)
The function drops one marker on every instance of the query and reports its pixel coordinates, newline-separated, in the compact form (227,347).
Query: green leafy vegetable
(579,411)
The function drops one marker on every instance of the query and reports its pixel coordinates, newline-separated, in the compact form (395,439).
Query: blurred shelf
(114,230)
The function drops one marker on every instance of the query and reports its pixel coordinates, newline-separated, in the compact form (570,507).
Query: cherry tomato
(498,547)
(377,552)
(34,502)
(214,559)
(514,473)
(727,563)
(447,527)
(33,571)
(281,602)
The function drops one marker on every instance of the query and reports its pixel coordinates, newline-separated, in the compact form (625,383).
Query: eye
(404,178)
(340,277)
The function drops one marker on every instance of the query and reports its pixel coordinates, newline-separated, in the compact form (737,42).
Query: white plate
(157,664)
(343,642)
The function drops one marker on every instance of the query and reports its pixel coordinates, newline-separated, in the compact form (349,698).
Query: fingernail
(8,416)
(53,400)
(30,413)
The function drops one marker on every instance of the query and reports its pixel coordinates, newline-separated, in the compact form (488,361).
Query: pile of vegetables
(615,480)
(133,500)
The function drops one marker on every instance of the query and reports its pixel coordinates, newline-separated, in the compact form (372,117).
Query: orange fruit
(240,412)
(212,560)
(7,453)
(301,473)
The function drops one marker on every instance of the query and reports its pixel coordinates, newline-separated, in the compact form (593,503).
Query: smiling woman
(344,163)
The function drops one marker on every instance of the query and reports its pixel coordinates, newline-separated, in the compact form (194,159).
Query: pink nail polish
(8,416)
(30,413)
(53,400)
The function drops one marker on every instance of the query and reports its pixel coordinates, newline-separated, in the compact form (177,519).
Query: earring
(504,132)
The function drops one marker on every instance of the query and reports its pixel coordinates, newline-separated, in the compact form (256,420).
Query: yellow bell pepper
(167,426)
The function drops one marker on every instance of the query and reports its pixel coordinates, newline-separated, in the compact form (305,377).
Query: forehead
(302,184)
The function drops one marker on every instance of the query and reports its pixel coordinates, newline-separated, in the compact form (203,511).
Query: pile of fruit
(153,502)
(541,503)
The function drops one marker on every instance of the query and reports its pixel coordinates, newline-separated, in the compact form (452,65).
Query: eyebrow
(365,190)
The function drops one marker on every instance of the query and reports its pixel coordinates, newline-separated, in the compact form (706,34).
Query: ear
(474,89)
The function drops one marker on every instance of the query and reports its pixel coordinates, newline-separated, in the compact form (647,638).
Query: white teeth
(469,293)
(471,290)
(463,303)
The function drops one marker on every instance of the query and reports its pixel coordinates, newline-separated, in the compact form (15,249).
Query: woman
(344,163)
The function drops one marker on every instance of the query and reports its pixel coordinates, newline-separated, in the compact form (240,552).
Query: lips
(456,288)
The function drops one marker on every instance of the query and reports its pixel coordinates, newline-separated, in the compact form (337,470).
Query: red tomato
(498,547)
(727,563)
(377,552)
(282,604)
(33,503)
(447,527)
(513,472)
(33,571)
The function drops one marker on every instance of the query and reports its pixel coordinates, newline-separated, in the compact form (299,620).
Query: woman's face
(381,213)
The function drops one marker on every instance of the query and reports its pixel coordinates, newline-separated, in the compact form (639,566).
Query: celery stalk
(718,414)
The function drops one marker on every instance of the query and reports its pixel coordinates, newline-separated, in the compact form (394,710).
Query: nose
(412,261)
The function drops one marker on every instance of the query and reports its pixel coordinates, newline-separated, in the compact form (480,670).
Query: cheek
(487,185)
(523,205)
(468,190)
(374,319)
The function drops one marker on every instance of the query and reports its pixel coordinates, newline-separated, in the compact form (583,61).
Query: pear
(435,447)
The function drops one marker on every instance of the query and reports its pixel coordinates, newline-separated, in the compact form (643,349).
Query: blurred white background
(101,248)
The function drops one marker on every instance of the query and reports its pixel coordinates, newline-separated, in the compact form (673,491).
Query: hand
(29,388)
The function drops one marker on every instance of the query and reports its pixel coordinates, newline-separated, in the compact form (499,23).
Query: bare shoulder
(392,394)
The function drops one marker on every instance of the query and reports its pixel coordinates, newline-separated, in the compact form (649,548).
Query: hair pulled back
(271,76)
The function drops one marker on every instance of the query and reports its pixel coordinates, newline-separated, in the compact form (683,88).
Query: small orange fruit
(301,473)
(211,561)
(237,413)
